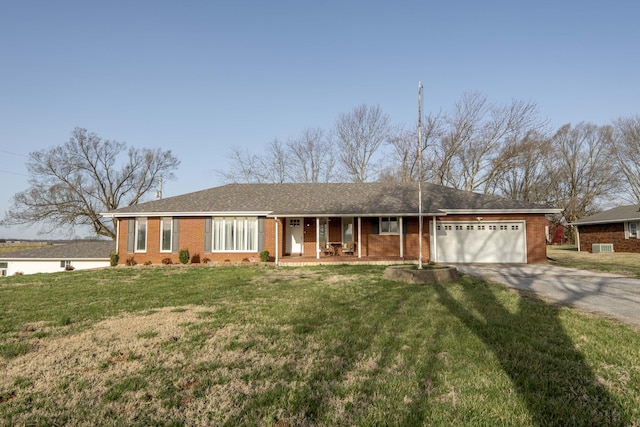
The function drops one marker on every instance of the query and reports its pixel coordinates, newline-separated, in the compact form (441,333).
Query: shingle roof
(327,199)
(619,214)
(70,251)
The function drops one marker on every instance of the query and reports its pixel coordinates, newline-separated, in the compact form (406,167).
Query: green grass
(329,345)
(624,263)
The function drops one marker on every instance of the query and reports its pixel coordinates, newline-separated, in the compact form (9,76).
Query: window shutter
(175,237)
(626,230)
(260,234)
(375,226)
(207,234)
(131,234)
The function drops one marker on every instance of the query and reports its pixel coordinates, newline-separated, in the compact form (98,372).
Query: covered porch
(340,239)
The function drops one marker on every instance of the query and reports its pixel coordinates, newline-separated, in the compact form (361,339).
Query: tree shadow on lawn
(547,371)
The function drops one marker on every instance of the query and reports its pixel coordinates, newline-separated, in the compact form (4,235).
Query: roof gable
(326,199)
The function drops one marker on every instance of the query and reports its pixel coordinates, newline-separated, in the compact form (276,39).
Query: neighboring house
(77,255)
(312,222)
(555,233)
(616,228)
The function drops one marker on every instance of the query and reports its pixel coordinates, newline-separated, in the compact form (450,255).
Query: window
(633,229)
(141,234)
(503,227)
(234,234)
(469,227)
(389,225)
(481,227)
(515,227)
(347,229)
(3,268)
(65,264)
(458,227)
(166,229)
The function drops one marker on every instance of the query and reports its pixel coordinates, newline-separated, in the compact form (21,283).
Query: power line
(11,152)
(14,173)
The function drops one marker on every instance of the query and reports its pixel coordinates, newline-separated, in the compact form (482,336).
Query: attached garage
(481,241)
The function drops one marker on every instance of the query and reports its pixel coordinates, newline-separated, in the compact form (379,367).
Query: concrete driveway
(610,294)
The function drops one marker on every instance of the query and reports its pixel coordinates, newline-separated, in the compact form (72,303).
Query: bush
(69,268)
(167,261)
(184,256)
(195,259)
(264,256)
(114,258)
(206,260)
(130,261)
(147,262)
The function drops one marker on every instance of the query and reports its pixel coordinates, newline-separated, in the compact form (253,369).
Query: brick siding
(607,233)
(191,237)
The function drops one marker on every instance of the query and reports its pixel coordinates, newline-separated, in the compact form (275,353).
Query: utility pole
(420,174)
(159,190)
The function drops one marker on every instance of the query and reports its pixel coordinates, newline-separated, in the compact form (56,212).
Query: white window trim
(146,235)
(162,234)
(389,233)
(627,230)
(223,239)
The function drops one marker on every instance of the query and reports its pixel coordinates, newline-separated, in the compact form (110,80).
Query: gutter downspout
(578,237)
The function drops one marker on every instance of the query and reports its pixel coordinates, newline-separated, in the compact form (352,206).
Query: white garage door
(485,241)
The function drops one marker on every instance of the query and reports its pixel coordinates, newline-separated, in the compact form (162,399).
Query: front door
(295,234)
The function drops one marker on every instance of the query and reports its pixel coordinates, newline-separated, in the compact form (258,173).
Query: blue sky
(196,77)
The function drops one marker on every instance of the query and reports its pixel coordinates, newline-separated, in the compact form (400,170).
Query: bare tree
(244,167)
(521,168)
(359,136)
(404,158)
(581,173)
(312,157)
(626,149)
(247,167)
(473,137)
(274,163)
(72,184)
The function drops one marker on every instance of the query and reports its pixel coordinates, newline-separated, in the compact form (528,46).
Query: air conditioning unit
(598,248)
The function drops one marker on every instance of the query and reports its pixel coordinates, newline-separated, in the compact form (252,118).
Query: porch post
(401,237)
(359,237)
(434,255)
(317,237)
(277,240)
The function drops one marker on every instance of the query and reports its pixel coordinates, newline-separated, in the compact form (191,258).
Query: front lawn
(624,263)
(327,345)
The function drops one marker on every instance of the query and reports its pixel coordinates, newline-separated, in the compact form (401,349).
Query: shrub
(147,262)
(130,261)
(184,256)
(69,267)
(167,261)
(264,256)
(206,260)
(195,259)
(113,259)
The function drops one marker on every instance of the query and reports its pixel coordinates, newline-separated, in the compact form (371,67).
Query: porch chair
(349,248)
(328,249)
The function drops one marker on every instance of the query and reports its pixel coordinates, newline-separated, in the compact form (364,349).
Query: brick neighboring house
(318,222)
(618,226)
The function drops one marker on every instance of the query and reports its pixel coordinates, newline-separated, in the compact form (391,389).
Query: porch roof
(350,199)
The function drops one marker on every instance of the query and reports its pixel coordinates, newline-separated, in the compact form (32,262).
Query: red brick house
(328,222)
(614,230)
